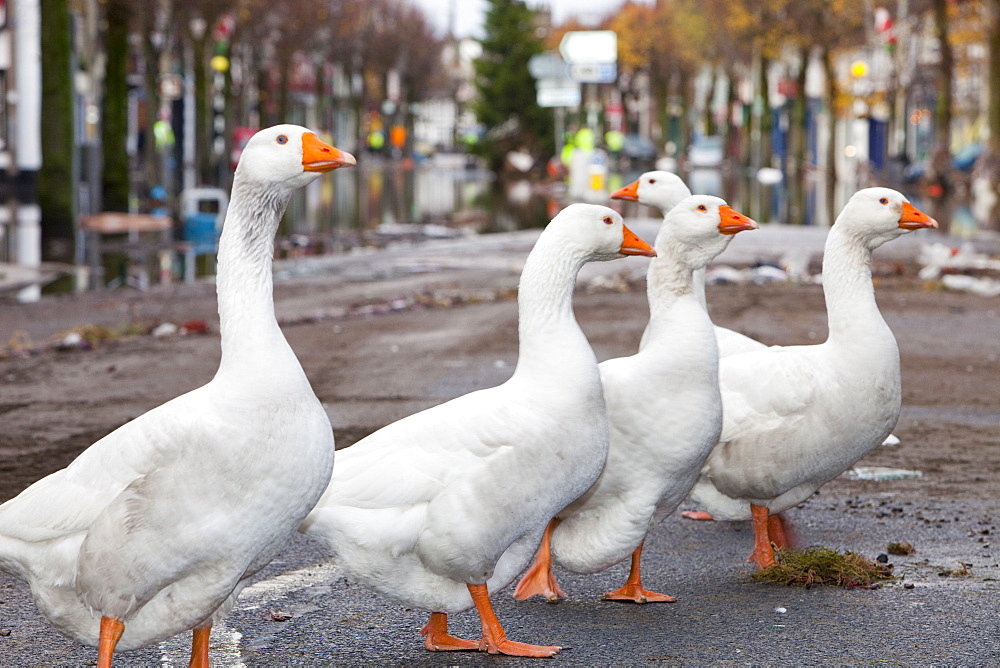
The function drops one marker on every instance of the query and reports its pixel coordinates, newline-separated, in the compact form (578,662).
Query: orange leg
(437,638)
(776,531)
(539,578)
(633,591)
(111,631)
(199,647)
(697,515)
(494,639)
(763,552)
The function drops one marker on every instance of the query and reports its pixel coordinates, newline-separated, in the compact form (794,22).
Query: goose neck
(545,302)
(668,279)
(243,278)
(847,287)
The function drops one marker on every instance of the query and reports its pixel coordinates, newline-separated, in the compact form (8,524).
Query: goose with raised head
(445,507)
(156,528)
(664,410)
(663,190)
(796,417)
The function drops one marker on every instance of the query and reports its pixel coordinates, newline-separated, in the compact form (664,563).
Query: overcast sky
(469,13)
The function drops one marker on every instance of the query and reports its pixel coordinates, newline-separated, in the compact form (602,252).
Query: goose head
(599,233)
(659,189)
(288,156)
(701,226)
(877,215)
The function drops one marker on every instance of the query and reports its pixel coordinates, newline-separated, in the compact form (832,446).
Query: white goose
(444,507)
(798,416)
(155,528)
(663,190)
(664,409)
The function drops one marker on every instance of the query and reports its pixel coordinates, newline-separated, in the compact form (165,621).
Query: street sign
(559,97)
(589,46)
(548,65)
(594,72)
(558,92)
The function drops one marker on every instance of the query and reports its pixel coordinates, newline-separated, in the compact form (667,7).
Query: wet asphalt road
(721,616)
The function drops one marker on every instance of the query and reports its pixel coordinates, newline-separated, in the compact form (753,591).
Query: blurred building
(20,139)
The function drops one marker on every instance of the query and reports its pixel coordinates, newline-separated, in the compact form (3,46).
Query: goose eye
(883,201)
(282,139)
(652,181)
(702,207)
(608,220)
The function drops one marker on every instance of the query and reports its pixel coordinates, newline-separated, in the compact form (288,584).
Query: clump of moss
(823,566)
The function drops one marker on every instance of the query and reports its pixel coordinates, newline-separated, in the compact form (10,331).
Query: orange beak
(629,192)
(915,219)
(633,245)
(318,156)
(732,221)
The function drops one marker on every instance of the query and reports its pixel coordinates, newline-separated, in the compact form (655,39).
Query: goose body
(795,417)
(155,528)
(664,411)
(446,506)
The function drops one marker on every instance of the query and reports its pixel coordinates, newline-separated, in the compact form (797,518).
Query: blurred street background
(121,121)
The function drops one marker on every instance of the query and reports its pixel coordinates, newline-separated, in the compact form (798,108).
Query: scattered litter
(881,473)
(901,548)
(164,329)
(938,259)
(908,585)
(723,273)
(891,439)
(276,615)
(781,610)
(70,341)
(609,283)
(761,274)
(961,572)
(983,287)
(882,558)
(194,327)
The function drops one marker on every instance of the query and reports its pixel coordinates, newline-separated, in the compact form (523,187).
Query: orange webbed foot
(437,639)
(539,580)
(512,648)
(494,639)
(697,515)
(637,594)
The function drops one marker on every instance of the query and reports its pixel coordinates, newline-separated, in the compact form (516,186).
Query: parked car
(639,149)
(967,156)
(706,151)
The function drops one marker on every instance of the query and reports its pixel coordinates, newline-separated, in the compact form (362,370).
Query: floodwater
(384,200)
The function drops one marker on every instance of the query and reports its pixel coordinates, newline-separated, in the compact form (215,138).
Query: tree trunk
(114,112)
(153,164)
(940,167)
(986,188)
(202,111)
(797,148)
(55,178)
(830,180)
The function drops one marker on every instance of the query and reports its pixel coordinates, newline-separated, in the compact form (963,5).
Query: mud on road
(377,348)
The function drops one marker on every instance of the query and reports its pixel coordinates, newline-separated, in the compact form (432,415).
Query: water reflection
(382,201)
(386,200)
